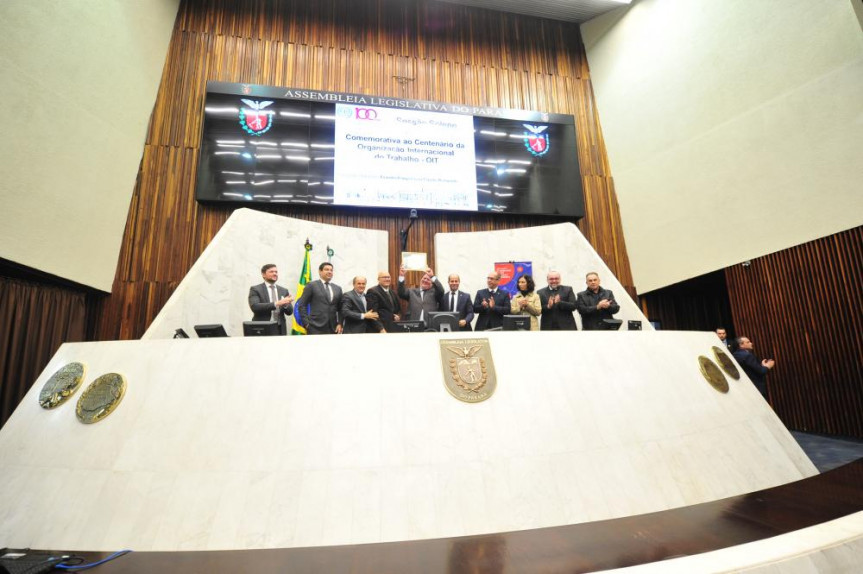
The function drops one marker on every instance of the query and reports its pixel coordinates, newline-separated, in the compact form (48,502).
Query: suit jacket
(559,317)
(753,368)
(591,317)
(387,304)
(420,302)
(262,308)
(463,307)
(490,318)
(317,312)
(351,314)
(533,308)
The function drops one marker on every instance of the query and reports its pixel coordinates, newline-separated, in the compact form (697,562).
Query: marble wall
(304,441)
(561,247)
(216,288)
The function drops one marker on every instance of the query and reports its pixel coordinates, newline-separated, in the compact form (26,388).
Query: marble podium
(304,441)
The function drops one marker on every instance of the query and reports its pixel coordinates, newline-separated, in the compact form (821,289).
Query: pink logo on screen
(365,114)
(536,141)
(255,119)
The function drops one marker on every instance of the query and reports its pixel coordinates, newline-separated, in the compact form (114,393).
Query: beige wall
(79,81)
(734,128)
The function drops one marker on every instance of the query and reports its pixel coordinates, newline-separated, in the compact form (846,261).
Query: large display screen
(278,145)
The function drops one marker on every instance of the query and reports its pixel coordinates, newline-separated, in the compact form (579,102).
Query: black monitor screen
(260,328)
(516,323)
(262,144)
(443,321)
(411,326)
(209,331)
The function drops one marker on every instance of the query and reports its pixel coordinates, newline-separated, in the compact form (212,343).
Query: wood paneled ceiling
(567,10)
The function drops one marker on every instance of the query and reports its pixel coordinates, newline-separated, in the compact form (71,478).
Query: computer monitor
(209,331)
(516,323)
(260,328)
(411,326)
(443,321)
(610,325)
(633,325)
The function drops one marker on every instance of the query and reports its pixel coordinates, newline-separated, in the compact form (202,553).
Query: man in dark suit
(558,303)
(271,302)
(382,299)
(756,370)
(491,304)
(458,302)
(319,304)
(355,312)
(421,300)
(595,304)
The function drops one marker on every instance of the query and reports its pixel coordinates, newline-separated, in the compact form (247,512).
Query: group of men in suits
(324,309)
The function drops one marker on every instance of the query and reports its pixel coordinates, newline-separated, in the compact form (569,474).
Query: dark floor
(826,453)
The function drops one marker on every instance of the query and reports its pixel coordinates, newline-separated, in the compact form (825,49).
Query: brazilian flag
(305,277)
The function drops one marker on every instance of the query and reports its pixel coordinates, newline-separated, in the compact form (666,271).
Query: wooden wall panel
(35,319)
(804,307)
(413,49)
(698,304)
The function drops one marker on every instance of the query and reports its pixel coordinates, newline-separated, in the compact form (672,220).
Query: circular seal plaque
(713,375)
(726,363)
(468,369)
(101,398)
(62,385)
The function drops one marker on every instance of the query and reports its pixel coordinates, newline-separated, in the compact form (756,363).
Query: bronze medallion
(726,363)
(62,385)
(468,371)
(101,398)
(713,375)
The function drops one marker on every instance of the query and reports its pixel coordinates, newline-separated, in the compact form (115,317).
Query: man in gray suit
(271,302)
(319,304)
(421,300)
(356,315)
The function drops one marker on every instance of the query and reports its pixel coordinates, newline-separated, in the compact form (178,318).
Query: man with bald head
(356,315)
(595,304)
(490,304)
(421,300)
(383,300)
(558,303)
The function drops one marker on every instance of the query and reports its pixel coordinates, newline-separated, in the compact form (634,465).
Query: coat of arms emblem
(468,369)
(536,141)
(255,119)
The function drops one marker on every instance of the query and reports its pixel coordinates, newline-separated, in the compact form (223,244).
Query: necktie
(329,293)
(452,301)
(274,299)
(363,299)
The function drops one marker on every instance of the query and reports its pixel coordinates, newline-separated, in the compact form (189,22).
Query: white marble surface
(216,288)
(560,246)
(303,441)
